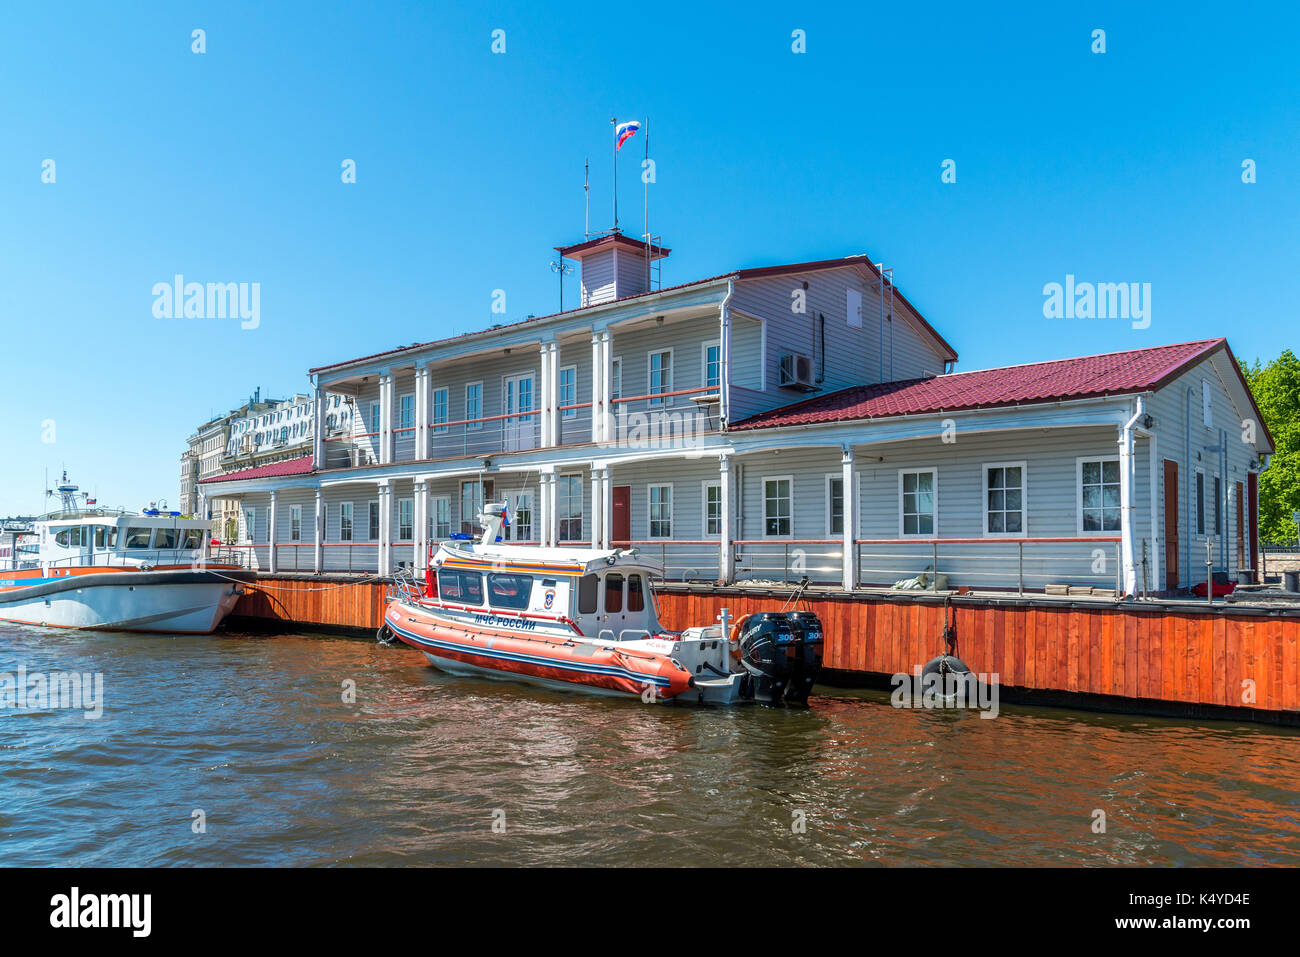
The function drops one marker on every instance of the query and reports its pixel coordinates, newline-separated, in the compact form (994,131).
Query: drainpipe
(724,393)
(1187,494)
(1126,476)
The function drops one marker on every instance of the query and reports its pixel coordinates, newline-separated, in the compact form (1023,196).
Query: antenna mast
(613,142)
(586,192)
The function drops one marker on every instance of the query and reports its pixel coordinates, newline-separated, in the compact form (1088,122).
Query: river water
(241,750)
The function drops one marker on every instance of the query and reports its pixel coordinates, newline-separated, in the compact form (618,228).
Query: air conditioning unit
(797,372)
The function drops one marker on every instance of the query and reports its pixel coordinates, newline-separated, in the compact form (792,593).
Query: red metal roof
(298,466)
(1115,373)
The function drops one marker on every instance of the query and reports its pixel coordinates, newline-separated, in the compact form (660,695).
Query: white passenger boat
(115,570)
(585,619)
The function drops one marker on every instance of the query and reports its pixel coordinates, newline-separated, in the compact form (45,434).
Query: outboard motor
(781,653)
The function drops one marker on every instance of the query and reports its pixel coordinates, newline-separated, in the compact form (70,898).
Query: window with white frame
(521,518)
(568,391)
(1200,502)
(834,505)
(372,525)
(250,524)
(406,411)
(1098,495)
(345,522)
(568,507)
(295,523)
(712,508)
(616,378)
(405,519)
(918,501)
(777,506)
(661,376)
(712,364)
(1004,499)
(474,404)
(1207,403)
(439,417)
(440,517)
(661,511)
(375,419)
(472,497)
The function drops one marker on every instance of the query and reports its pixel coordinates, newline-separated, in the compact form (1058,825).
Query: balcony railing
(664,424)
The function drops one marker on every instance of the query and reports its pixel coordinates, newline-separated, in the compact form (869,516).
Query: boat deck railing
(141,558)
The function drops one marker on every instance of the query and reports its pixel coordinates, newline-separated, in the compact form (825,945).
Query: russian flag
(505,515)
(624,132)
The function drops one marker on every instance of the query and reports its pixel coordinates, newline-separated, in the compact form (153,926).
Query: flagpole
(613,142)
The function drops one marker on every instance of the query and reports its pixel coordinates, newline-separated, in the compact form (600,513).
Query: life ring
(733,640)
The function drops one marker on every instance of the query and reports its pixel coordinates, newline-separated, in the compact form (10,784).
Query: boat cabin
(605,593)
(120,538)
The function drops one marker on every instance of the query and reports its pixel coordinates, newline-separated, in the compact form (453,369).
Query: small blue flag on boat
(623,132)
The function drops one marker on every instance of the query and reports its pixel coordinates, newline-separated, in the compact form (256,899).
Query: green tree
(1276,388)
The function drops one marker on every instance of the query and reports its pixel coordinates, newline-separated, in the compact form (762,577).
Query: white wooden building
(718,424)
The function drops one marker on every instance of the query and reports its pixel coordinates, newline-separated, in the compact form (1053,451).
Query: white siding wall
(1168,406)
(850,355)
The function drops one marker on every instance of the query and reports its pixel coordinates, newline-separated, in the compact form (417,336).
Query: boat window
(635,596)
(75,540)
(99,536)
(63,537)
(588,589)
(112,537)
(509,591)
(164,538)
(137,538)
(613,593)
(463,587)
(193,538)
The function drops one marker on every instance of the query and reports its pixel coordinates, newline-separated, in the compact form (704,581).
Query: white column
(543,505)
(557,426)
(606,377)
(421,412)
(420,534)
(607,509)
(318,430)
(552,494)
(546,401)
(597,388)
(725,569)
(850,513)
(206,550)
(385,528)
(385,419)
(318,545)
(597,509)
(273,562)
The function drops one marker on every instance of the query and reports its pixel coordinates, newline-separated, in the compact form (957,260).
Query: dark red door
(622,506)
(1172,502)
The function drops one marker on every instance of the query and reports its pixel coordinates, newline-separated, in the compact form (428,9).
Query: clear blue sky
(225,166)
